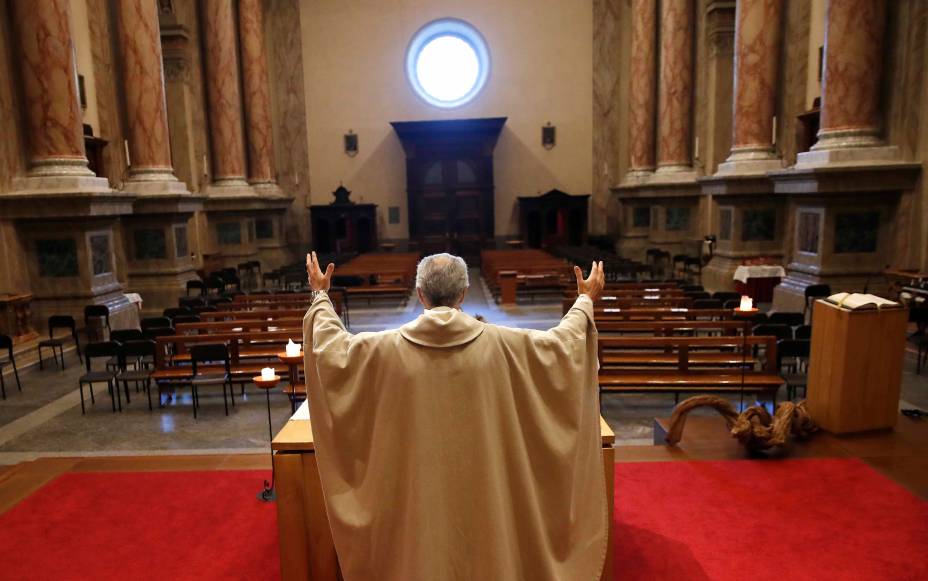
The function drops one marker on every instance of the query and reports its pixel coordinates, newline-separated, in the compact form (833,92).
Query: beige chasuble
(451,449)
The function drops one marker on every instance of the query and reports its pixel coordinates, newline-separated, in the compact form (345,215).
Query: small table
(758,281)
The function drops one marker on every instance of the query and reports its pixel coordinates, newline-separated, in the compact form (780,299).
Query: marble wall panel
(793,72)
(110,112)
(611,41)
(12,146)
(284,39)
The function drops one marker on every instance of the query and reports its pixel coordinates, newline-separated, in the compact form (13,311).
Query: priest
(452,449)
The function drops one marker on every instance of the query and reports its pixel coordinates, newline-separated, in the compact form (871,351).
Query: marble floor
(46,420)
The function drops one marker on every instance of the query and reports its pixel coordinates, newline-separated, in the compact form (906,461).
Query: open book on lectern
(860,301)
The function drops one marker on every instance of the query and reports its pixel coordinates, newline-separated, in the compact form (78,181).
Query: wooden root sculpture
(754,427)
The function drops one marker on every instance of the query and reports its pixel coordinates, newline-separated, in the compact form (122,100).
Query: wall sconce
(351,143)
(548,136)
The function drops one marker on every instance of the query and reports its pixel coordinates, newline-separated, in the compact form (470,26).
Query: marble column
(49,81)
(150,167)
(757,52)
(223,94)
(675,88)
(852,71)
(258,129)
(643,80)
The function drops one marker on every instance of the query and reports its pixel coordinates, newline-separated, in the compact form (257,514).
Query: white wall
(541,70)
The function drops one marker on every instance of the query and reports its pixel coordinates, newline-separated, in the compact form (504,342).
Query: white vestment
(451,449)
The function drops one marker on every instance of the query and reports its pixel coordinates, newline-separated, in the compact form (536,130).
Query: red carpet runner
(780,520)
(142,525)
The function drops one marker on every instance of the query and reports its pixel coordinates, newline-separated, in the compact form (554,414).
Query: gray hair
(442,278)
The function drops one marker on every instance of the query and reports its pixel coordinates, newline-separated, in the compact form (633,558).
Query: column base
(61,167)
(847,139)
(60,184)
(863,155)
(148,185)
(229,188)
(749,162)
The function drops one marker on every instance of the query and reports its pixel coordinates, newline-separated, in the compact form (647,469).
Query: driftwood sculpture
(754,427)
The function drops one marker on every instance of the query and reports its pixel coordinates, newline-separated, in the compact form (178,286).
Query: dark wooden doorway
(449,183)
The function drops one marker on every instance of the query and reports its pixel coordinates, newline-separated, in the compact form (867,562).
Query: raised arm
(322,327)
(574,324)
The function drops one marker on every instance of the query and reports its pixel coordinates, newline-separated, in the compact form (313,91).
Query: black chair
(176,312)
(107,350)
(123,335)
(687,288)
(6,342)
(96,312)
(707,304)
(186,319)
(731,304)
(772,330)
(205,354)
(213,301)
(215,283)
(190,302)
(726,296)
(56,344)
(802,332)
(207,309)
(135,366)
(815,291)
(155,322)
(153,333)
(788,319)
(794,355)
(196,285)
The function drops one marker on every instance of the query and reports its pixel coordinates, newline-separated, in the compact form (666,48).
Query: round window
(447,63)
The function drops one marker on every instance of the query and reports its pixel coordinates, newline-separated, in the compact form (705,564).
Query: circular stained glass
(447,63)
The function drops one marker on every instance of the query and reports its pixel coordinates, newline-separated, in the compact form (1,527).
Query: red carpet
(780,520)
(142,525)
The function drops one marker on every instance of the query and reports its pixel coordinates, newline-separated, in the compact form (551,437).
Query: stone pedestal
(840,220)
(231,225)
(672,222)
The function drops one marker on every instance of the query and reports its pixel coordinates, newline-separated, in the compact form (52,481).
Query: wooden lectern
(855,367)
(307,552)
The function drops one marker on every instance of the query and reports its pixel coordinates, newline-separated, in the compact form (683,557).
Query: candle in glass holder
(293,350)
(746,303)
(267,373)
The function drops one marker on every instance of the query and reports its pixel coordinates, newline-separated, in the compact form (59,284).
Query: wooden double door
(451,201)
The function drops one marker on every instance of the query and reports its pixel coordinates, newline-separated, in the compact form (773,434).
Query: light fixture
(351,143)
(548,136)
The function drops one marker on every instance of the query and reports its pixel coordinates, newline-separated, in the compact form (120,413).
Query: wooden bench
(603,314)
(650,301)
(669,328)
(253,315)
(233,326)
(688,364)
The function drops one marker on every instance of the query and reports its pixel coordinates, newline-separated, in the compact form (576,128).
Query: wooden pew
(234,326)
(252,315)
(531,271)
(660,314)
(249,352)
(670,328)
(649,301)
(689,364)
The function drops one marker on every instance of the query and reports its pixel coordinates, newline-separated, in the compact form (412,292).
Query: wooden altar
(307,551)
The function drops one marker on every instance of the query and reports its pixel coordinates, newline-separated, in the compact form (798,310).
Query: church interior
(737,165)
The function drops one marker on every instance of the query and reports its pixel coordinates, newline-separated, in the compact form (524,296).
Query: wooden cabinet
(449,183)
(553,219)
(344,226)
(855,367)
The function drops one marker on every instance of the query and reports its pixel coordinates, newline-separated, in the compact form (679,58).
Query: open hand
(317,280)
(592,286)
